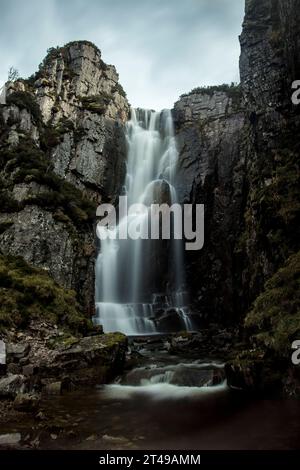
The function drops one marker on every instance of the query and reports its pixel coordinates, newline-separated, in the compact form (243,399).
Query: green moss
(27,293)
(274,204)
(67,340)
(274,321)
(25,100)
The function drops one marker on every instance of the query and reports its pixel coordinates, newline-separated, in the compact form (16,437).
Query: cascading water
(140,283)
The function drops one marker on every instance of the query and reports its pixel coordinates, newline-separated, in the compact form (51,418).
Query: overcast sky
(161,48)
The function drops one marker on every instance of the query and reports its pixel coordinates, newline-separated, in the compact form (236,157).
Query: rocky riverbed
(169,396)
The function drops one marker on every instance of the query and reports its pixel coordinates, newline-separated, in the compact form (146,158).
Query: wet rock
(170,321)
(93,437)
(3,369)
(26,402)
(17,351)
(93,359)
(41,416)
(10,439)
(115,439)
(14,369)
(55,388)
(29,370)
(12,385)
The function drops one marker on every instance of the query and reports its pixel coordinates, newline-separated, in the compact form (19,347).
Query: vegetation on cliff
(274,321)
(233,91)
(26,163)
(28,293)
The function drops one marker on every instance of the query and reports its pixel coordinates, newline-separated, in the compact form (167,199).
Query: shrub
(53,135)
(119,89)
(96,103)
(233,91)
(25,100)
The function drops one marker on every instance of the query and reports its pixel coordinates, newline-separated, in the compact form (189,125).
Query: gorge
(205,324)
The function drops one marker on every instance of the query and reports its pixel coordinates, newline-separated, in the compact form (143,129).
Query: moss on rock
(28,293)
(275,317)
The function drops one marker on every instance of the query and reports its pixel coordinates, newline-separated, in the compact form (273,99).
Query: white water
(131,275)
(162,391)
(174,381)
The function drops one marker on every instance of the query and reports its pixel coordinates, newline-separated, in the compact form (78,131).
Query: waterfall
(140,283)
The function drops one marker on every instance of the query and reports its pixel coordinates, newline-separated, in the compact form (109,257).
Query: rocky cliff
(239,155)
(62,151)
(209,127)
(269,244)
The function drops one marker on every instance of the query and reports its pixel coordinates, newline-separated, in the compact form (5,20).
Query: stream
(165,402)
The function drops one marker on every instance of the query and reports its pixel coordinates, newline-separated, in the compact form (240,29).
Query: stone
(16,351)
(41,416)
(115,439)
(13,368)
(29,370)
(10,439)
(11,385)
(26,402)
(93,437)
(54,388)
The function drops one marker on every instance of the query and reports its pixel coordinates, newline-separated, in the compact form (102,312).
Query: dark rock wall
(270,62)
(241,159)
(209,128)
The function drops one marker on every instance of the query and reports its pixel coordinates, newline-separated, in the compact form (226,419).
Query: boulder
(10,439)
(26,402)
(91,360)
(17,351)
(11,385)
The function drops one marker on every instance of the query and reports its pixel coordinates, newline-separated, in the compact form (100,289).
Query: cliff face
(269,244)
(270,62)
(209,125)
(241,159)
(238,155)
(62,151)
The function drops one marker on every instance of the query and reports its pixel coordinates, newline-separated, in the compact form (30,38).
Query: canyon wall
(62,152)
(209,127)
(239,155)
